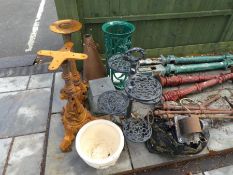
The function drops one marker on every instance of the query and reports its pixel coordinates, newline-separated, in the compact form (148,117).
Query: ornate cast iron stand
(66,28)
(142,88)
(75,115)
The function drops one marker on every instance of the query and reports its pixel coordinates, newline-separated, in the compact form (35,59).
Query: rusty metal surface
(75,115)
(203,106)
(183,79)
(93,67)
(204,111)
(211,100)
(166,106)
(190,125)
(66,26)
(174,95)
(168,110)
(60,56)
(184,134)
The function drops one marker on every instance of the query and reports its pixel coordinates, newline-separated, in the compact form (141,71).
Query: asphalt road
(22,19)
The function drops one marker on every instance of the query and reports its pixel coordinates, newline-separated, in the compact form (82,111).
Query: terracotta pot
(93,67)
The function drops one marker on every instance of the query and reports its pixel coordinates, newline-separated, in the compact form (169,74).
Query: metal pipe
(183,79)
(171,59)
(215,116)
(211,100)
(204,111)
(174,107)
(173,69)
(174,95)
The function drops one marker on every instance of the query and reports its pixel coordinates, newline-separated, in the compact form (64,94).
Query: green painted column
(174,69)
(171,59)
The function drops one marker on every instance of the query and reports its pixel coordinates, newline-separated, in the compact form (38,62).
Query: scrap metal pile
(169,128)
(174,124)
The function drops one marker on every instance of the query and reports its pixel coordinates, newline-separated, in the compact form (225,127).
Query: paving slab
(140,110)
(141,157)
(13,83)
(227,85)
(17,61)
(4,148)
(202,96)
(24,112)
(23,71)
(58,163)
(40,81)
(26,155)
(57,102)
(221,138)
(228,170)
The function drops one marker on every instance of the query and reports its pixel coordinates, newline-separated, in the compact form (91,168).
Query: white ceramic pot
(99,143)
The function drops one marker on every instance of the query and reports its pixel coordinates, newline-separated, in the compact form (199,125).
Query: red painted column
(174,95)
(183,79)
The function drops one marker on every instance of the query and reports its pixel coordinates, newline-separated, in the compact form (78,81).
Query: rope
(189,100)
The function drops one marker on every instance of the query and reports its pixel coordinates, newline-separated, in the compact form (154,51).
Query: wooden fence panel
(160,24)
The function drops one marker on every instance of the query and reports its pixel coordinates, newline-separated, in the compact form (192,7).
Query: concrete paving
(17,61)
(40,81)
(26,155)
(13,84)
(59,163)
(221,138)
(4,149)
(25,116)
(148,159)
(221,171)
(24,112)
(24,71)
(57,102)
